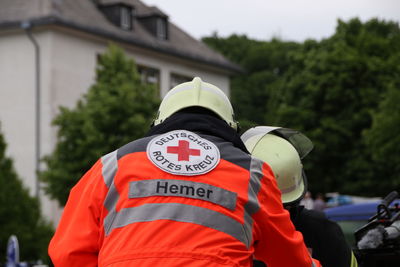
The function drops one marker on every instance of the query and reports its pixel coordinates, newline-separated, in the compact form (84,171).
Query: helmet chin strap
(238,127)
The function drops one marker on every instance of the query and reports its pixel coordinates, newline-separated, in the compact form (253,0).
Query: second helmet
(282,149)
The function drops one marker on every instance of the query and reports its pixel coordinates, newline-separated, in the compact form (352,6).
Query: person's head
(196,94)
(282,149)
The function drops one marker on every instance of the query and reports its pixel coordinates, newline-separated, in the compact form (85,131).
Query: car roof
(354,212)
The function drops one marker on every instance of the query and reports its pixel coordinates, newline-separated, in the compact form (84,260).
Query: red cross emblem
(183,150)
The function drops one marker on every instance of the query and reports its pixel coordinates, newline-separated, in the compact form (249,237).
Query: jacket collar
(199,123)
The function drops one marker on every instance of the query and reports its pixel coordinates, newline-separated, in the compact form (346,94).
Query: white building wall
(17,103)
(18,106)
(68,61)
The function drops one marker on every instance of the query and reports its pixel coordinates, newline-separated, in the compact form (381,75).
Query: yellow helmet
(196,93)
(282,149)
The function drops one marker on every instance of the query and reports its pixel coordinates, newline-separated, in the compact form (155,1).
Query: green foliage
(254,93)
(383,140)
(20,214)
(341,92)
(117,109)
(235,47)
(330,91)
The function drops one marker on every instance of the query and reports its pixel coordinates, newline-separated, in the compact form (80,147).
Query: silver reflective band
(181,213)
(109,169)
(252,205)
(313,264)
(180,188)
(110,166)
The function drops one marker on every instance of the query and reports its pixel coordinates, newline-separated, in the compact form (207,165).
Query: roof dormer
(119,14)
(156,23)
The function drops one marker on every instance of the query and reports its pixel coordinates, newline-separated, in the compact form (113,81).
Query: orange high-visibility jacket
(177,199)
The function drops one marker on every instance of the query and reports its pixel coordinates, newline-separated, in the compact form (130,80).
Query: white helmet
(196,93)
(282,149)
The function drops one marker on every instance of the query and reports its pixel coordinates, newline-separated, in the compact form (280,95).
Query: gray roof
(84,15)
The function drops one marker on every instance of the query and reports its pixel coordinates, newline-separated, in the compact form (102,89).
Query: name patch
(179,188)
(183,153)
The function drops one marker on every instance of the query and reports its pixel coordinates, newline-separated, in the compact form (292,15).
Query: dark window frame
(180,78)
(146,72)
(126,17)
(161,26)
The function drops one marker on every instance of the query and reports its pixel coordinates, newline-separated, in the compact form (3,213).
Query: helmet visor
(301,142)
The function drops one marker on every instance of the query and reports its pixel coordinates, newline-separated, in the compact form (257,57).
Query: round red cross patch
(183,153)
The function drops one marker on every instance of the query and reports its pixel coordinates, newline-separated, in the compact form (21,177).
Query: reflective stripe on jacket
(125,211)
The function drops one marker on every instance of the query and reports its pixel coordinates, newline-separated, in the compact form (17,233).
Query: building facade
(48,55)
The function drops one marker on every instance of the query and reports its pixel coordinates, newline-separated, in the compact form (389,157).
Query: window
(176,79)
(121,15)
(161,29)
(126,18)
(149,75)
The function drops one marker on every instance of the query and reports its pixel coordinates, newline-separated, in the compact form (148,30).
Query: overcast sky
(294,20)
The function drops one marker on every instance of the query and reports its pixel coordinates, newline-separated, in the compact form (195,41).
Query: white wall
(17,103)
(68,61)
(18,106)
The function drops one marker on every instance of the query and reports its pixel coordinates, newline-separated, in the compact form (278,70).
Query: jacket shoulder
(230,152)
(138,145)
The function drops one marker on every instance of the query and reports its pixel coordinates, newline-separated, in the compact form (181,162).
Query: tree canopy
(117,109)
(20,214)
(340,91)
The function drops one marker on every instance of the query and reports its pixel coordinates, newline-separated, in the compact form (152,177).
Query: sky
(294,20)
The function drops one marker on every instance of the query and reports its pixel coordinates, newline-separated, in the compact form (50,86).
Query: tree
(331,90)
(117,109)
(253,92)
(234,47)
(339,91)
(20,214)
(383,142)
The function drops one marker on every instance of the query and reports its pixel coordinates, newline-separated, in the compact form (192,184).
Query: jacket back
(178,198)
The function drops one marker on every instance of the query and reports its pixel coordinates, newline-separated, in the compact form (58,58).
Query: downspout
(27,26)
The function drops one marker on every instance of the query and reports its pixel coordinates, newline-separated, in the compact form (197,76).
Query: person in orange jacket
(187,194)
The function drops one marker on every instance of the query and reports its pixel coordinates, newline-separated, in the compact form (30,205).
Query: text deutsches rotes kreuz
(183,153)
